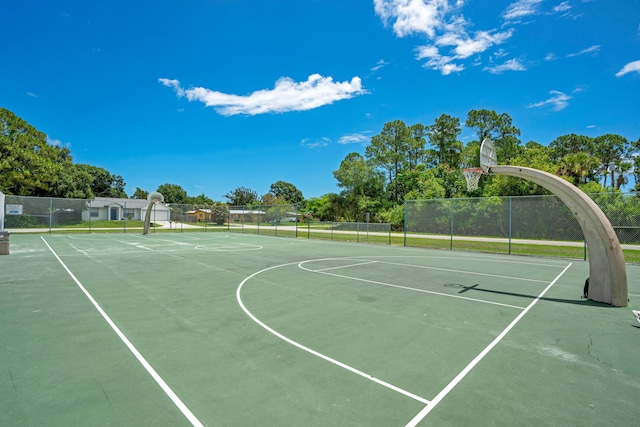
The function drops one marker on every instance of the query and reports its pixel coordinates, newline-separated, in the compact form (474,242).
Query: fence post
(404,226)
(451,227)
(50,213)
(510,206)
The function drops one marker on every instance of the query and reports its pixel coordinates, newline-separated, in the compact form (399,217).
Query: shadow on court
(475,287)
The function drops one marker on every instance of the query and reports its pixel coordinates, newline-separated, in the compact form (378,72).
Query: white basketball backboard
(487,155)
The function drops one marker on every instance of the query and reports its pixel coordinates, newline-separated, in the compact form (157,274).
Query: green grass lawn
(101,224)
(325,231)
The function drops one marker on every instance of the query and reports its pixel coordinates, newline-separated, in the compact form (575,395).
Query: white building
(114,209)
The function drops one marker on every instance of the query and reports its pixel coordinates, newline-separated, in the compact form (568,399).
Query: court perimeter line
(425,411)
(311,351)
(176,400)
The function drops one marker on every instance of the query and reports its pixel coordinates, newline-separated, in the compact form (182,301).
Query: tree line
(426,161)
(402,162)
(30,166)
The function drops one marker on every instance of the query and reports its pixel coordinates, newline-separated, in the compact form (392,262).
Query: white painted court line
(391,285)
(344,266)
(174,398)
(465,272)
(431,405)
(311,351)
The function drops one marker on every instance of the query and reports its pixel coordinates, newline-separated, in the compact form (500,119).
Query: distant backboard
(155,197)
(487,155)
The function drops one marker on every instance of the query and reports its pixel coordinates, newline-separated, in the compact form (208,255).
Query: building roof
(245,212)
(104,202)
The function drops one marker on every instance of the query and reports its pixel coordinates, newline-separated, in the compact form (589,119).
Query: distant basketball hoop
(153,198)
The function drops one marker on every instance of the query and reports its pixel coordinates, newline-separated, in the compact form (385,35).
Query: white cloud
(629,68)
(32,95)
(466,46)
(175,84)
(354,138)
(520,9)
(516,12)
(413,16)
(443,25)
(558,101)
(435,61)
(592,49)
(379,65)
(510,65)
(499,53)
(286,95)
(319,143)
(551,56)
(562,7)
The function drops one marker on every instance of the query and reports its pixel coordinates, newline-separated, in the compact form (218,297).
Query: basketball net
(472,175)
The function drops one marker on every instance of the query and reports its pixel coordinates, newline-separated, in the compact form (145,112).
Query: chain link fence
(514,224)
(45,214)
(363,232)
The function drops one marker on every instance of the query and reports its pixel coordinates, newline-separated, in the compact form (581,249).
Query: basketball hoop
(472,175)
(155,197)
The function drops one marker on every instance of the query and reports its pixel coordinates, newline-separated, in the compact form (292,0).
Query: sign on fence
(14,209)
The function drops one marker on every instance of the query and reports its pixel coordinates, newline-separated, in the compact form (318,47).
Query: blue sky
(216,94)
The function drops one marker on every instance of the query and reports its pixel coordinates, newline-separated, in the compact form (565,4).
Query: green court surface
(243,330)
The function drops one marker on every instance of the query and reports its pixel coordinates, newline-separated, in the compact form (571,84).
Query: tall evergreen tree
(389,151)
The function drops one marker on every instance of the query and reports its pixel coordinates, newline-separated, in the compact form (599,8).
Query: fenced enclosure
(45,214)
(533,225)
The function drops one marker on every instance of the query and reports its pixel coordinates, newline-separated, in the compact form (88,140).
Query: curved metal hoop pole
(607,269)
(152,198)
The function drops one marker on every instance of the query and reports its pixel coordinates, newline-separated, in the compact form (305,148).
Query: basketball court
(242,329)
